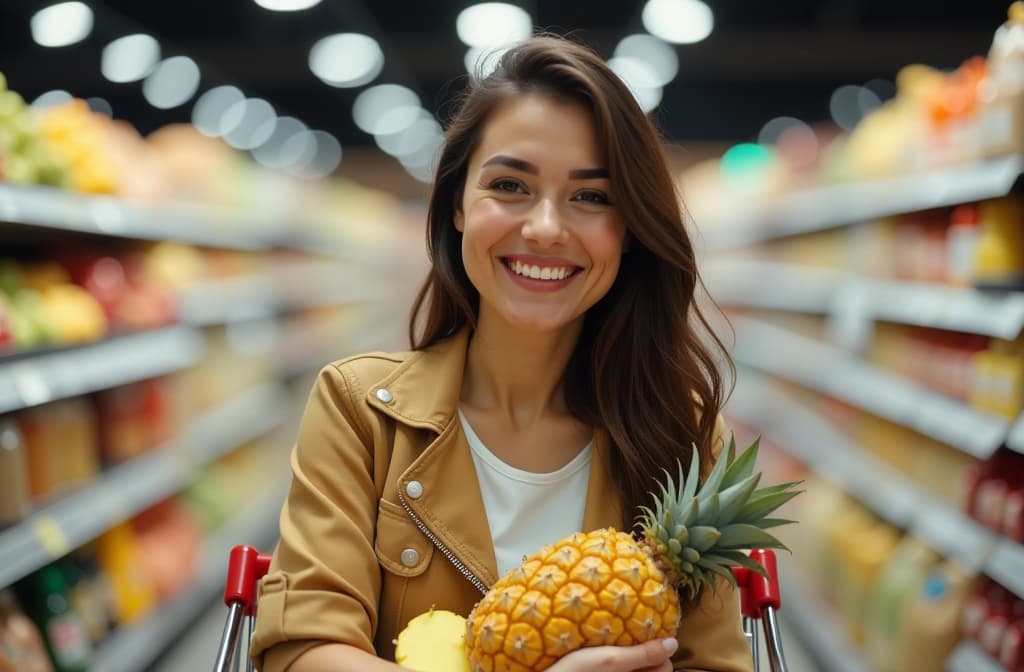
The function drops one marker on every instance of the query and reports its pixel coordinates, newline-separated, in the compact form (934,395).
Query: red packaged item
(1011,652)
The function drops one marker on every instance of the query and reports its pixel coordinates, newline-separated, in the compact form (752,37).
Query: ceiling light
(172,83)
(130,58)
(641,79)
(51,99)
(482,61)
(678,21)
(100,105)
(325,159)
(298,151)
(286,5)
(402,142)
(209,111)
(251,123)
(845,106)
(346,59)
(777,127)
(660,57)
(271,153)
(385,109)
(61,24)
(489,24)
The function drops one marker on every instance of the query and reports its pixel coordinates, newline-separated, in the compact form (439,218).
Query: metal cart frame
(760,599)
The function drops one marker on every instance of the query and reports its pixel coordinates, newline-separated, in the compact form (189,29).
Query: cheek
(486,223)
(606,240)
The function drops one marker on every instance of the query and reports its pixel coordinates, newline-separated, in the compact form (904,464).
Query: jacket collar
(424,392)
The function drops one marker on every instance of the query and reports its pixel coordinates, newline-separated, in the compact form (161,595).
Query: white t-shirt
(525,510)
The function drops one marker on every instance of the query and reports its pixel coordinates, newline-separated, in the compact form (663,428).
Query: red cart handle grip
(243,573)
(757,591)
(764,590)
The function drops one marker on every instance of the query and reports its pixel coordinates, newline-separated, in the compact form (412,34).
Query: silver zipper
(459,565)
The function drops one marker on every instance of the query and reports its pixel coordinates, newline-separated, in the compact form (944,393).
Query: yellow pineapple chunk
(434,642)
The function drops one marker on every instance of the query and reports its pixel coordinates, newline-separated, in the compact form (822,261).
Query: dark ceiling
(764,59)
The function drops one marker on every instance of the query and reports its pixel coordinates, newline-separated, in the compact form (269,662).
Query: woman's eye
(510,186)
(593,197)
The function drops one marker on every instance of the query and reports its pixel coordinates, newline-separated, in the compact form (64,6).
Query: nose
(544,224)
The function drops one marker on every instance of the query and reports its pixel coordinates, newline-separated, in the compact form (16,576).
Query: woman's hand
(649,657)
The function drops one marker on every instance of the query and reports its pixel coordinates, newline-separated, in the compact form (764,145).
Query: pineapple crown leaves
(701,529)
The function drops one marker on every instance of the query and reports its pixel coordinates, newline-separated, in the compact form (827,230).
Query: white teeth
(538,273)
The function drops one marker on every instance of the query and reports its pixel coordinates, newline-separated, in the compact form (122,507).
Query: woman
(558,366)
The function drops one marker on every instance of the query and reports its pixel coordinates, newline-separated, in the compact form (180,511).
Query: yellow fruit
(433,642)
(608,588)
(599,588)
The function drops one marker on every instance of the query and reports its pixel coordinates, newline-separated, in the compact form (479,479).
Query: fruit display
(608,588)
(25,156)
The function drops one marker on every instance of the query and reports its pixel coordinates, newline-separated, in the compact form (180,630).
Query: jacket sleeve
(309,598)
(711,635)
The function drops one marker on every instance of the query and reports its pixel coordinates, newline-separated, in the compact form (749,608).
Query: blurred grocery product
(25,157)
(14,499)
(46,597)
(21,646)
(1002,118)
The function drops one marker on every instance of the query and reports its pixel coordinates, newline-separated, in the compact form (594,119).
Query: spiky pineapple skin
(588,589)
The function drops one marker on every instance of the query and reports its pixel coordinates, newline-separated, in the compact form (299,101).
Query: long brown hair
(646,366)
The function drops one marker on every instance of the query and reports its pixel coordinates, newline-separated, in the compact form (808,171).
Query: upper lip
(541,262)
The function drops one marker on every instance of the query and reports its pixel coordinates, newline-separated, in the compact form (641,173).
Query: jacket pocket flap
(401,547)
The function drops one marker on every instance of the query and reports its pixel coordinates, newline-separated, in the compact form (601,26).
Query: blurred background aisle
(203,203)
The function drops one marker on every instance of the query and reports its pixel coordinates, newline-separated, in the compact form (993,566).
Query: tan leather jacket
(385,519)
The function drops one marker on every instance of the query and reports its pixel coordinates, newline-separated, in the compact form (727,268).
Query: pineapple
(608,587)
(433,641)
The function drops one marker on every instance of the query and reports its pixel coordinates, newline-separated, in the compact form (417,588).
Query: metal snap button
(384,394)
(414,489)
(410,557)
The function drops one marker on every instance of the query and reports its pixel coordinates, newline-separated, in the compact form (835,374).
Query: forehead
(542,130)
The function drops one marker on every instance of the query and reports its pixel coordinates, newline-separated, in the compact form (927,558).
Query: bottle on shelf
(13,474)
(45,596)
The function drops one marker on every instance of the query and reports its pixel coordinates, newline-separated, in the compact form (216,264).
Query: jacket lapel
(424,392)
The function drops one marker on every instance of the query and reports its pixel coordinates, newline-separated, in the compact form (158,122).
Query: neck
(517,374)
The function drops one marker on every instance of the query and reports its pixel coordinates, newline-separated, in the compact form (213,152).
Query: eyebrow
(527,167)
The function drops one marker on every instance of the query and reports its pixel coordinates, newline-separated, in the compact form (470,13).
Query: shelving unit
(30,379)
(206,225)
(747,222)
(129,488)
(829,370)
(818,628)
(841,295)
(827,451)
(134,649)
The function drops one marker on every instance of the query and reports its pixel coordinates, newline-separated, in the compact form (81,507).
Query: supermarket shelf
(1015,439)
(134,649)
(808,289)
(29,380)
(817,627)
(292,287)
(831,371)
(228,300)
(107,216)
(969,657)
(843,204)
(131,487)
(827,451)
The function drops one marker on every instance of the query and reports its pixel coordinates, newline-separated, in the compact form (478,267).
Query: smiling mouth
(534,272)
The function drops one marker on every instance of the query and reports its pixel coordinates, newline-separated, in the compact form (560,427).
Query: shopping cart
(760,598)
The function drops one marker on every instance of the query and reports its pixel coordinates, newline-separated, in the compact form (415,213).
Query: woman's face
(542,237)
